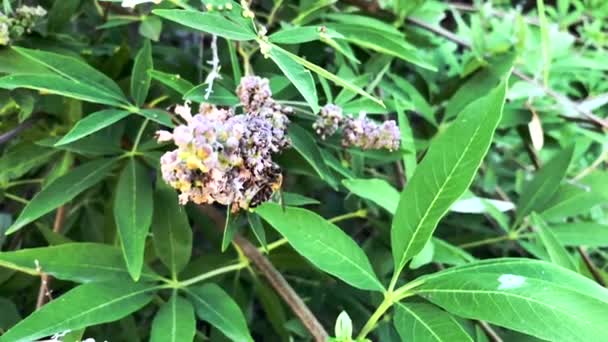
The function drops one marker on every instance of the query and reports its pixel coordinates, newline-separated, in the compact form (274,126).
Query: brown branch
(44,291)
(5,137)
(492,335)
(274,277)
(591,266)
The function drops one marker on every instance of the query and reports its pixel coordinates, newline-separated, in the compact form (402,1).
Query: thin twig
(275,278)
(44,292)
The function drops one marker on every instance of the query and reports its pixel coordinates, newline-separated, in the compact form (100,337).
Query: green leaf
(75,70)
(376,190)
(295,200)
(214,305)
(323,243)
(208,22)
(588,234)
(407,140)
(302,34)
(171,230)
(93,123)
(172,81)
(20,160)
(303,142)
(60,14)
(484,79)
(220,95)
(444,175)
(230,229)
(257,228)
(62,190)
(140,79)
(299,77)
(328,75)
(133,207)
(570,200)
(83,306)
(537,193)
(174,322)
(525,295)
(423,322)
(379,41)
(157,115)
(58,85)
(150,27)
(80,262)
(425,256)
(10,315)
(557,253)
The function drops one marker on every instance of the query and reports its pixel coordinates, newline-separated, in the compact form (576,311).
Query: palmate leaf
(557,253)
(55,84)
(62,190)
(74,70)
(208,22)
(140,78)
(328,75)
(80,262)
(444,175)
(93,123)
(298,75)
(588,234)
(83,306)
(303,142)
(23,158)
(323,244)
(174,322)
(539,191)
(533,297)
(133,208)
(171,229)
(423,322)
(214,305)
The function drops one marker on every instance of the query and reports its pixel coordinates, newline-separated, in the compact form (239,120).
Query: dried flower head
(224,157)
(367,134)
(329,121)
(357,132)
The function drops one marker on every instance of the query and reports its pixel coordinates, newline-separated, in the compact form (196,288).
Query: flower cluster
(224,157)
(22,21)
(357,132)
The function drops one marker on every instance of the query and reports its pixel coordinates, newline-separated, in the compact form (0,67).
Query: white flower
(133,3)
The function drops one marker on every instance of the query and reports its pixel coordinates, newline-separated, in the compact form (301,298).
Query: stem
(373,320)
(139,134)
(23,182)
(355,214)
(216,272)
(44,292)
(273,12)
(16,198)
(487,241)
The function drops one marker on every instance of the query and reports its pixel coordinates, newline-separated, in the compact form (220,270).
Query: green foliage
(489,221)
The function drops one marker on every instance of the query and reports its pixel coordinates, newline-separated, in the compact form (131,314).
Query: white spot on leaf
(510,281)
